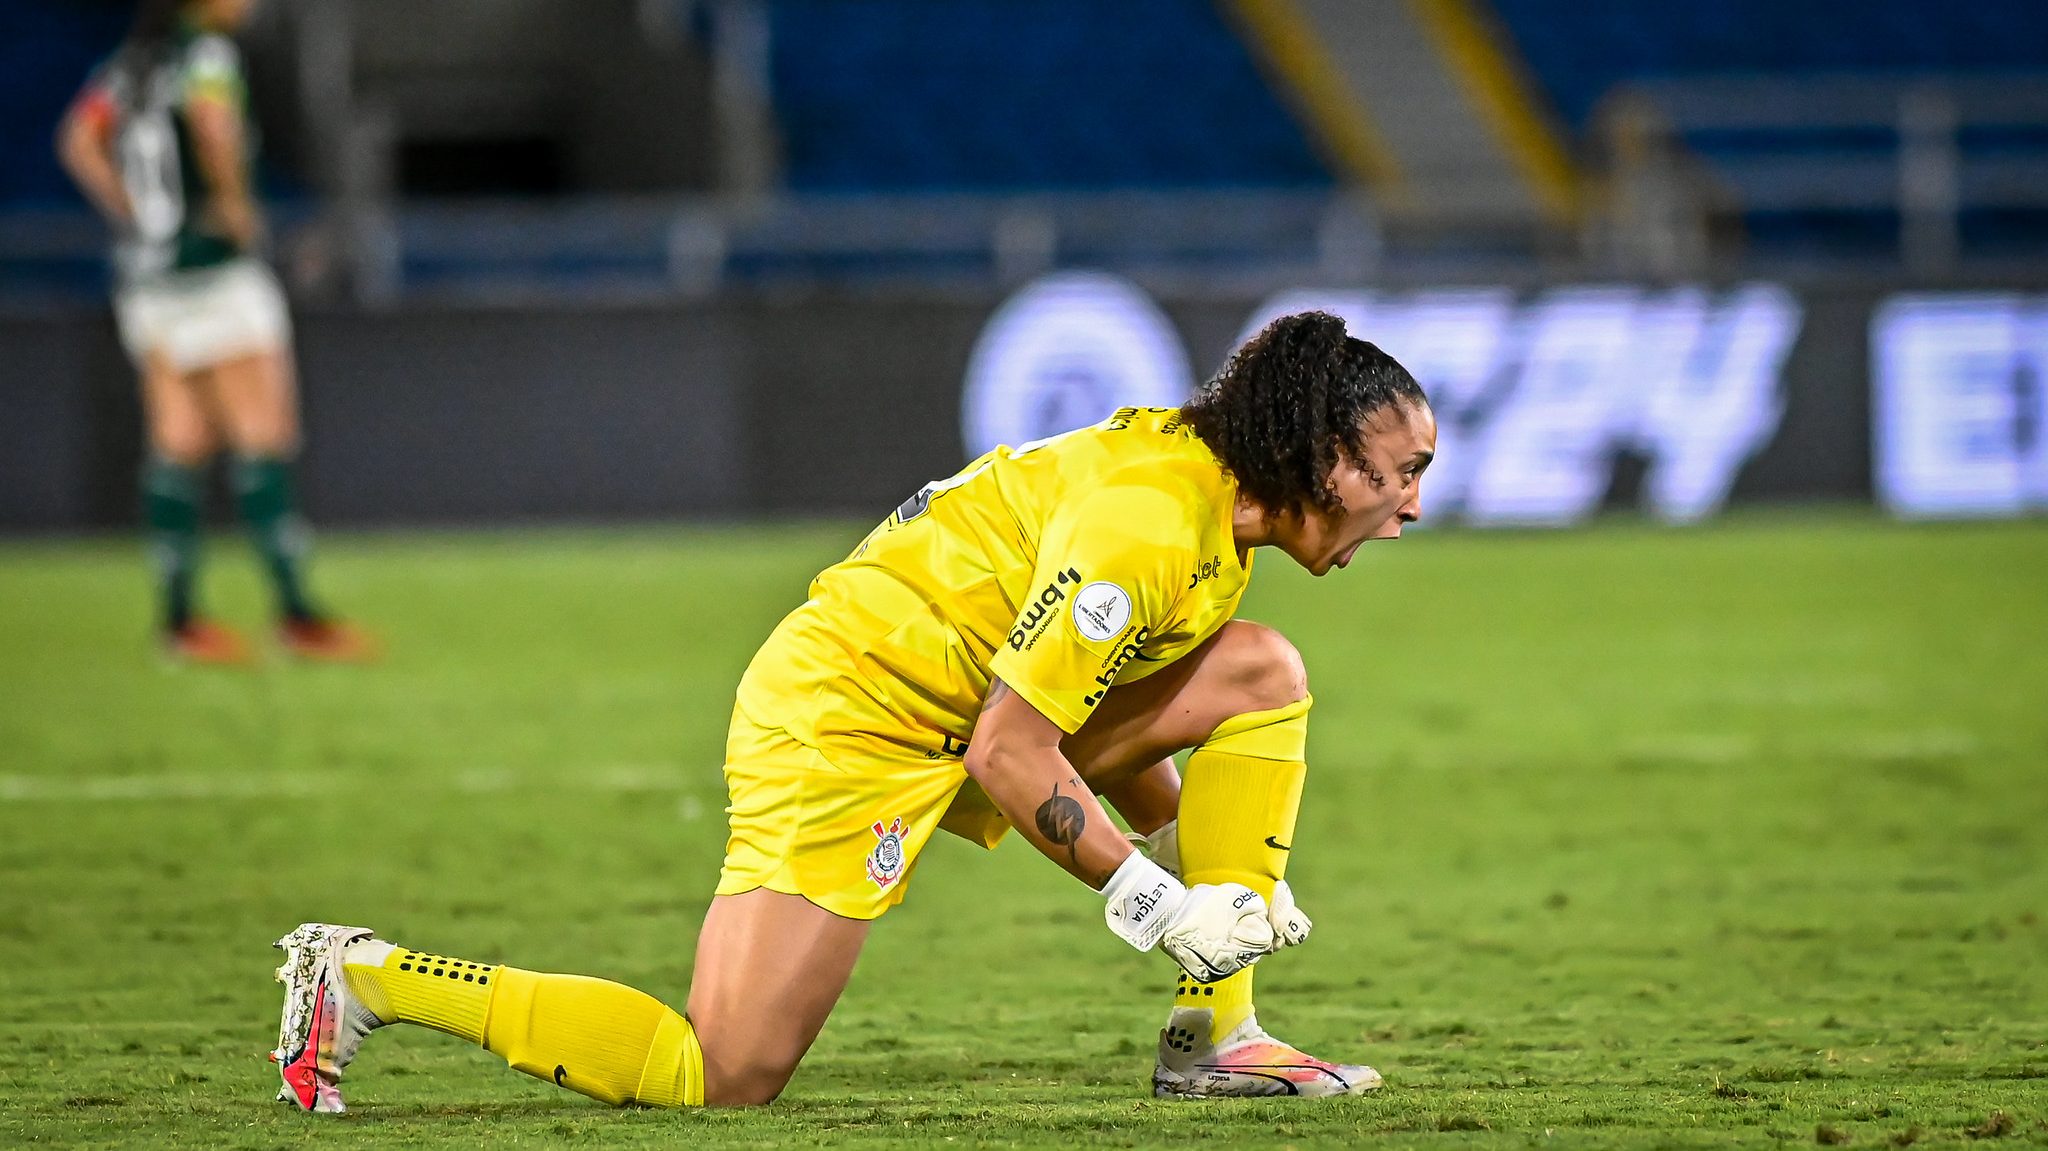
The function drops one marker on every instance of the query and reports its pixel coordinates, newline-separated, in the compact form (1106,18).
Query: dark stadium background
(694,257)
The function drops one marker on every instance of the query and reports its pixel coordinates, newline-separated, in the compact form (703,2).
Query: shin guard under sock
(269,506)
(172,495)
(592,1036)
(1238,803)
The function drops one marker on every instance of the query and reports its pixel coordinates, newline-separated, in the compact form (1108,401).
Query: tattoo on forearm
(1061,820)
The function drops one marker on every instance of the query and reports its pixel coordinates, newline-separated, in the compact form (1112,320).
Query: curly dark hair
(1278,411)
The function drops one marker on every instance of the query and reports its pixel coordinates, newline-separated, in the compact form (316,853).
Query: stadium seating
(1580,51)
(46,48)
(901,102)
(990,94)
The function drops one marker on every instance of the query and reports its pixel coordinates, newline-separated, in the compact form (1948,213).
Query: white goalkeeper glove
(1290,924)
(1162,846)
(1211,929)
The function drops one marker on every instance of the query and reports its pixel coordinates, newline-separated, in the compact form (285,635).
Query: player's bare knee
(1260,666)
(740,1069)
(746,1085)
(185,446)
(266,442)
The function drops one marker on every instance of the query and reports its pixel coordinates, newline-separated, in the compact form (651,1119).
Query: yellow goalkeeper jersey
(1062,566)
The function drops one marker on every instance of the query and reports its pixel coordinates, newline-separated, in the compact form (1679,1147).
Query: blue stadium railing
(1795,109)
(1925,172)
(597,248)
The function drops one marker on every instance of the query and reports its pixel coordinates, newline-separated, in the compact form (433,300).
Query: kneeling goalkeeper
(1013,646)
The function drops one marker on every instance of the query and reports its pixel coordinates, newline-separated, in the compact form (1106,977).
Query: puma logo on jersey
(1039,609)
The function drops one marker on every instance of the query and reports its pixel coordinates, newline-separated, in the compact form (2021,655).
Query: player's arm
(220,150)
(214,98)
(1150,802)
(1015,757)
(85,147)
(1211,930)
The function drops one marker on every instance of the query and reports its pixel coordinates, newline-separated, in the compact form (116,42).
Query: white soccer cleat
(1248,1062)
(321,1026)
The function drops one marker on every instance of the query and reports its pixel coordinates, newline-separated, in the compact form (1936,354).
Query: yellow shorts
(843,828)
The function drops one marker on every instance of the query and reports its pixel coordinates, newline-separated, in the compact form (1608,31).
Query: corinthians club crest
(885,862)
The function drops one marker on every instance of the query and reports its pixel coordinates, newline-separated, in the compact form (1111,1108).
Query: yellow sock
(592,1036)
(596,1037)
(400,986)
(1237,809)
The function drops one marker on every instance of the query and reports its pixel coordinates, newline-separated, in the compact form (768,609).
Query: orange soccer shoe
(322,640)
(202,641)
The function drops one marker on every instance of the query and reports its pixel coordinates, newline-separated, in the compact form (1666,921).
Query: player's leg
(257,393)
(1240,702)
(818,847)
(182,442)
(1148,799)
(593,1036)
(770,965)
(259,412)
(769,969)
(1245,668)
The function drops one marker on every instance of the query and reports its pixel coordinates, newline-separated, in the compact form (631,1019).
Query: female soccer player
(159,141)
(1048,626)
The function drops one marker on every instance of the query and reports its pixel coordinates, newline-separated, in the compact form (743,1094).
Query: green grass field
(1625,837)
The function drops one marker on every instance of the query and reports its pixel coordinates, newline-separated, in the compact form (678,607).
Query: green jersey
(172,228)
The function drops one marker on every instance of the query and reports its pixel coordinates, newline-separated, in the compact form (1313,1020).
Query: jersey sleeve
(213,70)
(1111,565)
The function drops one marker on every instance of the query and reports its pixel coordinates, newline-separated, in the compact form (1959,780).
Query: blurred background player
(161,143)
(1050,625)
